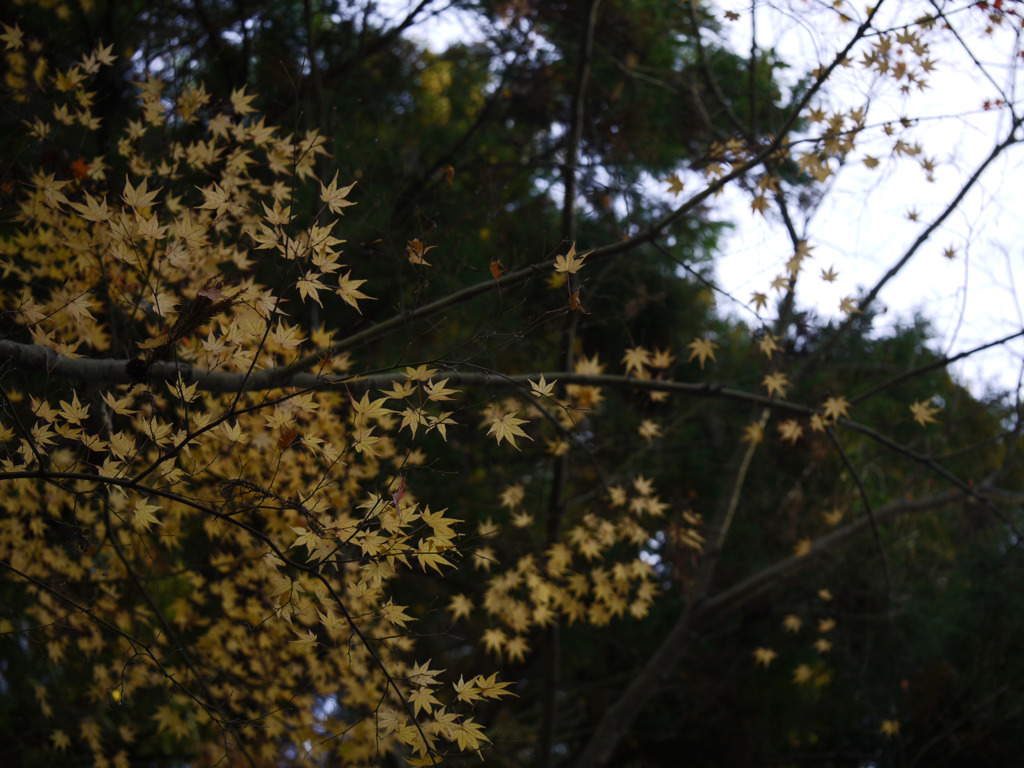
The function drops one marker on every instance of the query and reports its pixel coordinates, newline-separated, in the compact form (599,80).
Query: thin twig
(868,511)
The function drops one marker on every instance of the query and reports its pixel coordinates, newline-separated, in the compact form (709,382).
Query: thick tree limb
(28,357)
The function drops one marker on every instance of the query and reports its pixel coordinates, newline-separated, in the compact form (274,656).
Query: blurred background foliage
(461,145)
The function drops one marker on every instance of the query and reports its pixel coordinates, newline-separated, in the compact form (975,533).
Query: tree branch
(663,662)
(953,205)
(651,233)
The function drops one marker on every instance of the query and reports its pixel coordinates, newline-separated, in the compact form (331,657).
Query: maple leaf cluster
(297,496)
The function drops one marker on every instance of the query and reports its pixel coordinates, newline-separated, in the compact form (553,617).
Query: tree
(495,469)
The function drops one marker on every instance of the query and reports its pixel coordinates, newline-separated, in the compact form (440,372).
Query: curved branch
(868,510)
(713,553)
(740,593)
(30,357)
(644,685)
(942,362)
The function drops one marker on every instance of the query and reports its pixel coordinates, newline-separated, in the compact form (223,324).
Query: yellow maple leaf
(776,383)
(428,553)
(460,606)
(494,640)
(61,741)
(420,373)
(438,390)
(924,412)
(543,388)
(217,199)
(792,623)
(484,558)
(516,649)
(138,197)
(636,358)
(836,407)
(309,639)
(487,528)
(832,518)
(440,525)
(142,515)
(395,613)
(768,345)
(521,520)
(889,727)
(234,432)
(309,286)
(422,699)
(240,102)
(74,412)
(702,349)
(422,674)
(513,496)
(506,427)
(649,430)
(366,409)
(781,283)
(753,433)
(12,38)
(802,674)
(490,688)
(790,430)
(802,548)
(306,538)
(348,290)
(416,251)
(662,358)
(468,735)
(764,656)
(277,216)
(92,209)
(400,390)
(570,263)
(186,394)
(848,306)
(332,622)
(466,690)
(335,198)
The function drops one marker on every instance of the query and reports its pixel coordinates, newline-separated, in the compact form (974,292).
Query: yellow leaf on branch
(506,427)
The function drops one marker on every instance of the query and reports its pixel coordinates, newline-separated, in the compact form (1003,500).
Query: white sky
(861,228)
